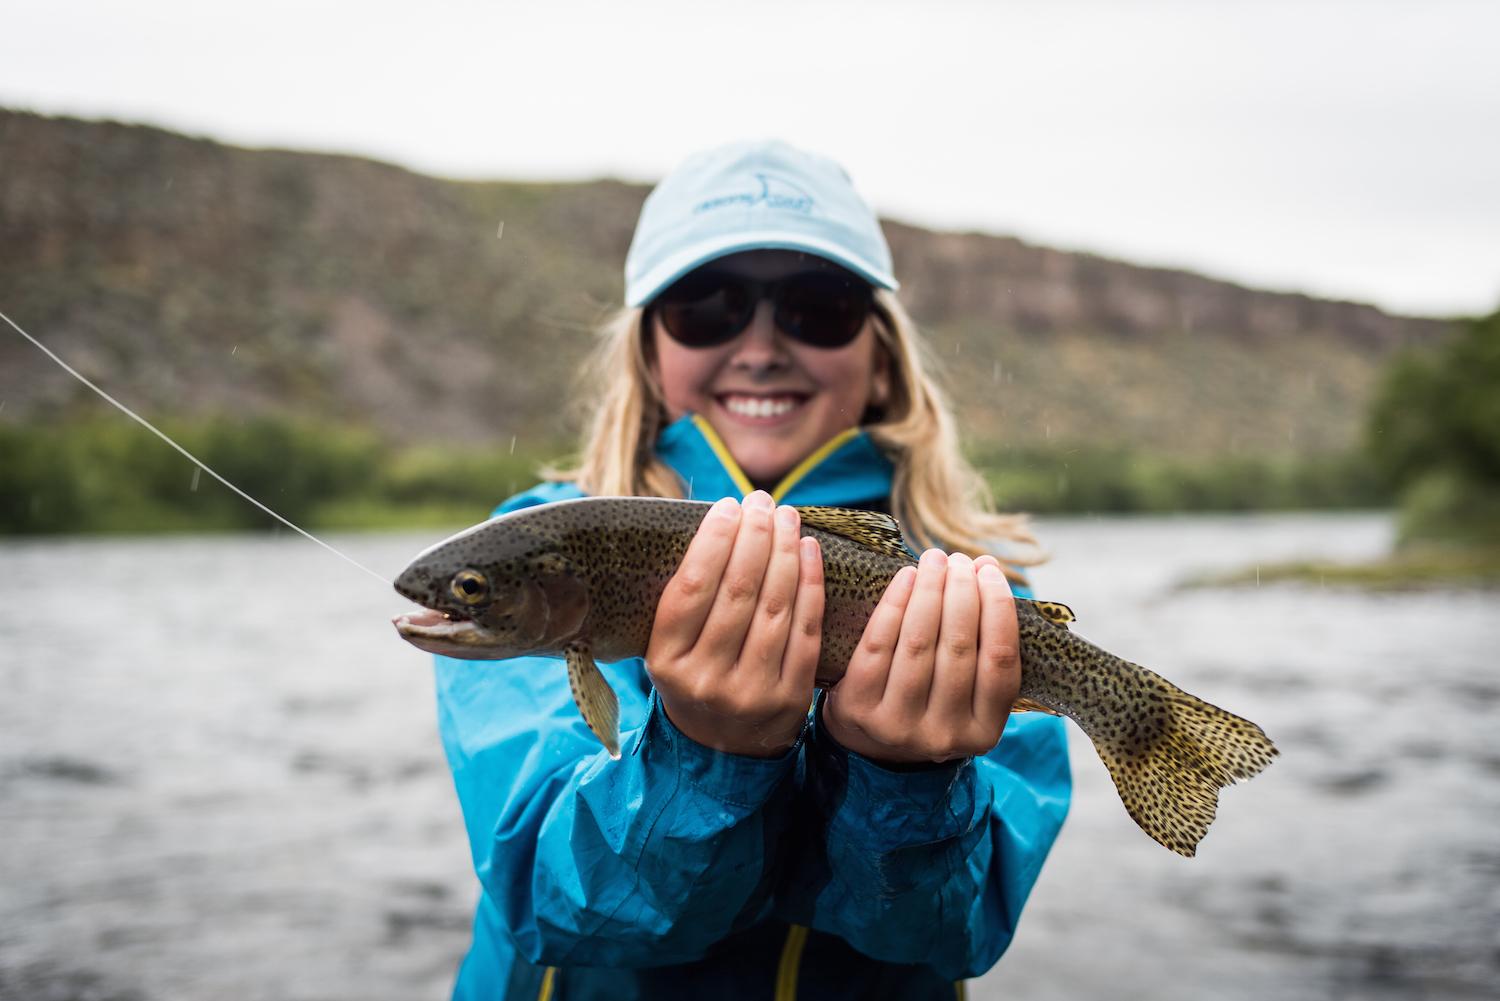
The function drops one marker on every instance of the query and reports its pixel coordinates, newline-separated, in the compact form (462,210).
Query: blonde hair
(936,495)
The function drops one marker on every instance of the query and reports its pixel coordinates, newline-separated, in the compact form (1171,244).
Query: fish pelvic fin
(597,702)
(870,529)
(1170,781)
(1028,706)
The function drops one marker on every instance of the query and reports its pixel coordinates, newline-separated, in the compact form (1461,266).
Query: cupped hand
(734,648)
(937,668)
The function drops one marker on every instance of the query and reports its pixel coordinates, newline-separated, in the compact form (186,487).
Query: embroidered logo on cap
(774,193)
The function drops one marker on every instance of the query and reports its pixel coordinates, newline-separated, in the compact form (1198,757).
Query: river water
(220,777)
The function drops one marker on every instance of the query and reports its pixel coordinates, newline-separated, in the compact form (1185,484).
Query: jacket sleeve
(930,866)
(638,862)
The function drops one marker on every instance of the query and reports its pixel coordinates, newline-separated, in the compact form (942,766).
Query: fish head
(492,592)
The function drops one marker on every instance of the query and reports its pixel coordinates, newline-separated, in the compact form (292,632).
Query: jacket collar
(848,469)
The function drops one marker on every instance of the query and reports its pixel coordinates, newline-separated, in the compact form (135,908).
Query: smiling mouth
(761,407)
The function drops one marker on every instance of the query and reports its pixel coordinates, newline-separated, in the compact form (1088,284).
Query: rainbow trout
(580,579)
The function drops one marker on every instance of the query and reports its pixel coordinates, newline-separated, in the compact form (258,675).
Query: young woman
(881,845)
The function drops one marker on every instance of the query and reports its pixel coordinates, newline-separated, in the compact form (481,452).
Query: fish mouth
(449,635)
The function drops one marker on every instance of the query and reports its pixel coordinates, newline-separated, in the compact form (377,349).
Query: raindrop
(501,231)
(197,472)
(233,350)
(512,443)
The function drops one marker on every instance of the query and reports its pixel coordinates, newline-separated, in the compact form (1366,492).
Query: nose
(761,348)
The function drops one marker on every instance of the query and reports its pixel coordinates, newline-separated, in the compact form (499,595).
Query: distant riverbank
(104,474)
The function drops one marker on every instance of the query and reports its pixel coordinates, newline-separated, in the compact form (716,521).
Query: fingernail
(959,560)
(906,576)
(759,498)
(990,572)
(935,558)
(724,508)
(786,517)
(809,547)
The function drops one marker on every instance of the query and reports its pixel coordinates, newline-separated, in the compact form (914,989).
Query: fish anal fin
(871,529)
(597,702)
(1028,706)
(1055,612)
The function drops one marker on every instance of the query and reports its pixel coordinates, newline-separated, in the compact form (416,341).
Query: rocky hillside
(190,277)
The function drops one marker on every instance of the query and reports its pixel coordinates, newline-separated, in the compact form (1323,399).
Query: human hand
(937,668)
(734,648)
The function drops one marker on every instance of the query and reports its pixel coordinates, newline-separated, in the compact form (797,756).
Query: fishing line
(191,457)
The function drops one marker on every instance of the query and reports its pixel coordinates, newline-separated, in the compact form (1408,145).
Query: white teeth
(759,406)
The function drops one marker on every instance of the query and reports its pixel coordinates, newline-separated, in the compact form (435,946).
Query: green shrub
(1434,435)
(104,474)
(1102,480)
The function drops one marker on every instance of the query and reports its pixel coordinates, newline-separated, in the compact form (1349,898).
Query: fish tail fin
(597,702)
(1169,771)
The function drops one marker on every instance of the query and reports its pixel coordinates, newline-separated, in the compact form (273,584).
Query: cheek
(847,375)
(684,374)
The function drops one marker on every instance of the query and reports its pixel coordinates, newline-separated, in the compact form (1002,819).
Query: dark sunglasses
(822,309)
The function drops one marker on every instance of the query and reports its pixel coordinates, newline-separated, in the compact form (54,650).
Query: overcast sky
(1343,149)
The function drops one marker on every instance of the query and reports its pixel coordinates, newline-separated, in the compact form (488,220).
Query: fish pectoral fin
(870,529)
(1028,706)
(1055,612)
(597,702)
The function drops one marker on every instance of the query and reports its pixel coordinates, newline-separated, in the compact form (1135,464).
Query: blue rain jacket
(684,872)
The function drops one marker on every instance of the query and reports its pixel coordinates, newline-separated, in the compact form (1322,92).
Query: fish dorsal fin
(870,529)
(1056,613)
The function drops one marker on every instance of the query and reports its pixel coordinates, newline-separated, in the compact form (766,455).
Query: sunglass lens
(823,310)
(702,310)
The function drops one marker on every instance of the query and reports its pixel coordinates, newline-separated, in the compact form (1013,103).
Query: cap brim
(642,290)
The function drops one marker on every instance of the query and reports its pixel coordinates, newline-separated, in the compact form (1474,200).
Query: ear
(880,376)
(648,345)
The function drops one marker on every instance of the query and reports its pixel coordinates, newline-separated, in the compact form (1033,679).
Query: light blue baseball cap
(752,196)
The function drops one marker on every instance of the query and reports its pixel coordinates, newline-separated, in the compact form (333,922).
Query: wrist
(741,783)
(883,809)
(891,757)
(764,739)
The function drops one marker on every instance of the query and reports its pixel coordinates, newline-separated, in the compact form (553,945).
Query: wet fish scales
(581,580)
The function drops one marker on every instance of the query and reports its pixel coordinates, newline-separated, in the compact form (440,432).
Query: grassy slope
(193,278)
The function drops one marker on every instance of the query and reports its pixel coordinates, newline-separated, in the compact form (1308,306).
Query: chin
(766,466)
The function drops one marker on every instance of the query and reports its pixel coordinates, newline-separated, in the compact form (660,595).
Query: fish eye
(469,586)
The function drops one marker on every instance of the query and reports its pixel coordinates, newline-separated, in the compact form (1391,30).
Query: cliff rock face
(949,277)
(187,276)
(191,276)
